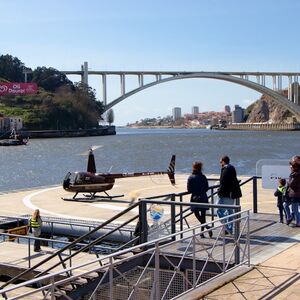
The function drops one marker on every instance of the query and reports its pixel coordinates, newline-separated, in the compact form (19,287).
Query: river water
(46,161)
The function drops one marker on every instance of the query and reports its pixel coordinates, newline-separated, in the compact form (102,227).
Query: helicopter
(92,182)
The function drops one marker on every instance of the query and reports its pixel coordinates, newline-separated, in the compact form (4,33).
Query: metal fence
(175,234)
(169,266)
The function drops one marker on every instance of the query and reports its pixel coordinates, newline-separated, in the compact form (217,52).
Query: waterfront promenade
(48,199)
(273,262)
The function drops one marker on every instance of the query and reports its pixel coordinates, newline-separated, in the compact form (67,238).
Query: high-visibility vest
(34,223)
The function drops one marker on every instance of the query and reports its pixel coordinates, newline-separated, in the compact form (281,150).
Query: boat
(14,140)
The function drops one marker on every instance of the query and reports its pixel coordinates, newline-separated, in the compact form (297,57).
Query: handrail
(81,238)
(238,217)
(78,240)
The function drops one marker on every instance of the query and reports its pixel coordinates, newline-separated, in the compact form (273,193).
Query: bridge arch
(292,107)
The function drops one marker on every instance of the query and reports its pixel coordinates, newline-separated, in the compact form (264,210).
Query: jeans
(295,210)
(286,207)
(37,245)
(222,212)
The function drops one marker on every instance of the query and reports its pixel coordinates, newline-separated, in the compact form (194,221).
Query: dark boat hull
(12,143)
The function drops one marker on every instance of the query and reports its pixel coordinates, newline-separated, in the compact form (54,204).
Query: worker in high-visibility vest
(35,224)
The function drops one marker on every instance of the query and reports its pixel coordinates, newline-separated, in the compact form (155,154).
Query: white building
(10,123)
(176,112)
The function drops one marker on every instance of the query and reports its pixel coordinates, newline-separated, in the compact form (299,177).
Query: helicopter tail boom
(170,172)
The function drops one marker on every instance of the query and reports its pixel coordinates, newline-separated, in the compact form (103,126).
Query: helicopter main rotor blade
(94,147)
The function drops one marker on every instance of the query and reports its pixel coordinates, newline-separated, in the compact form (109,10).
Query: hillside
(63,109)
(266,109)
(58,104)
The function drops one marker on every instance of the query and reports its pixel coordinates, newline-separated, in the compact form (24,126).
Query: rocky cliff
(266,109)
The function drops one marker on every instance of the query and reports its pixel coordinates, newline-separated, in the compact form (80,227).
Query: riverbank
(101,131)
(235,126)
(264,126)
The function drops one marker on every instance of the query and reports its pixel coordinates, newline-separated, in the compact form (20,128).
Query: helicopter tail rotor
(171,170)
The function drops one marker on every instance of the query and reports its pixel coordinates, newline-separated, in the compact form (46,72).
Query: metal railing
(193,256)
(28,240)
(178,221)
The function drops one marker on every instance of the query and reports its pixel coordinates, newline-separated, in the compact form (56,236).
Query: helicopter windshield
(70,178)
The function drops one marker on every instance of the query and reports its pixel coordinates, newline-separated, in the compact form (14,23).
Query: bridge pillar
(263,80)
(104,89)
(141,80)
(279,86)
(158,77)
(296,92)
(274,83)
(122,80)
(258,79)
(290,89)
(84,76)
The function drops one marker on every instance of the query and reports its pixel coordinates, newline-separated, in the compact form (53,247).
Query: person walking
(293,191)
(228,191)
(35,225)
(197,185)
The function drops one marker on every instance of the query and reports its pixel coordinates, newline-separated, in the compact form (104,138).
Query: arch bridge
(268,83)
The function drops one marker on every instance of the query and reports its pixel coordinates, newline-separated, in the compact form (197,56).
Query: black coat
(294,186)
(197,184)
(280,196)
(229,184)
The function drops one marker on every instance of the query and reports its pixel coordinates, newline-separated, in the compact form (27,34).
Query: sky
(156,35)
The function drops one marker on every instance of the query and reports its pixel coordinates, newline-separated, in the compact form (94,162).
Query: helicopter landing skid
(94,198)
(103,197)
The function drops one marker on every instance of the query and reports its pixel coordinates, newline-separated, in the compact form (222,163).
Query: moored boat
(13,142)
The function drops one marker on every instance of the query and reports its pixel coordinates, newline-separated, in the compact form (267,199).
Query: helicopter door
(69,180)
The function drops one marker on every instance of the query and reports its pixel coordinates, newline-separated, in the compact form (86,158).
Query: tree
(11,68)
(50,79)
(110,117)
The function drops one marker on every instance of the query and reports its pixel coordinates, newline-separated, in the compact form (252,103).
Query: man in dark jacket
(229,190)
(294,191)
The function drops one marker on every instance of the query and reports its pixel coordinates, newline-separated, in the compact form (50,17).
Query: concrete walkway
(275,278)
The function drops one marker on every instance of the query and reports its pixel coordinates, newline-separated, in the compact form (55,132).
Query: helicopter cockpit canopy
(73,178)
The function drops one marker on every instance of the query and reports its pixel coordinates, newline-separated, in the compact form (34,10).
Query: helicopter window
(79,178)
(72,177)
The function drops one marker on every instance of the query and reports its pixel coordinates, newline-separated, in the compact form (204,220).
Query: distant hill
(59,104)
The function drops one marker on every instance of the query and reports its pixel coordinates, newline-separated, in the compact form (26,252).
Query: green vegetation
(59,104)
(110,116)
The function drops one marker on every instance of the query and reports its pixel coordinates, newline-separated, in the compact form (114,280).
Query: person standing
(197,185)
(228,191)
(36,228)
(280,194)
(293,191)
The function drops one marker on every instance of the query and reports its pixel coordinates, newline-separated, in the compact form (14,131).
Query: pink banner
(17,88)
